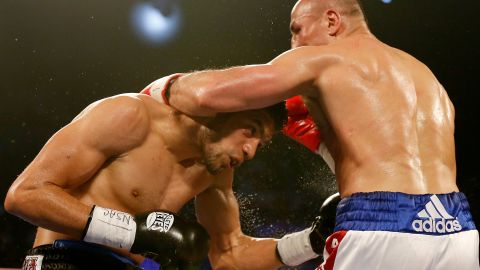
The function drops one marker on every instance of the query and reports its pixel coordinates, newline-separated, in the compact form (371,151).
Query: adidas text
(436,225)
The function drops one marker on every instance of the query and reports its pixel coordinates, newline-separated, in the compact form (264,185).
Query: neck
(356,27)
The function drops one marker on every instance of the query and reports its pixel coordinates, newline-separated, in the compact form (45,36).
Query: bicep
(67,160)
(41,194)
(77,151)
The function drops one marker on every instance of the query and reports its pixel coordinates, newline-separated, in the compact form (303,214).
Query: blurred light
(156,21)
(387,1)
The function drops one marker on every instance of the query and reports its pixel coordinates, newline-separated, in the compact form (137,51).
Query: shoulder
(308,53)
(127,110)
(123,103)
(121,119)
(311,58)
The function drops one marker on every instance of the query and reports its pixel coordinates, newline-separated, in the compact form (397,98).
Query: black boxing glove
(160,234)
(299,247)
(166,234)
(324,223)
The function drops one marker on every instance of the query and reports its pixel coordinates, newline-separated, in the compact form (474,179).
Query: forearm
(206,93)
(250,87)
(248,253)
(49,207)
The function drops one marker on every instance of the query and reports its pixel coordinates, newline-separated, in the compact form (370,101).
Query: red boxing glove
(300,125)
(160,88)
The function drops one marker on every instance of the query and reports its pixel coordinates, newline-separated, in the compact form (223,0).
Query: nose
(293,42)
(250,148)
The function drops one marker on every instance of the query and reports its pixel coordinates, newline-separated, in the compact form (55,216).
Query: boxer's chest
(150,177)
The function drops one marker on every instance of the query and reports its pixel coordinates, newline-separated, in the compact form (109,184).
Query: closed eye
(253,131)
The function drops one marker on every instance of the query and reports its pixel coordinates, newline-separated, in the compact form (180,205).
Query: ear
(334,21)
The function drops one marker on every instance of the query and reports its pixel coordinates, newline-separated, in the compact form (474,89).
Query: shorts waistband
(432,214)
(79,254)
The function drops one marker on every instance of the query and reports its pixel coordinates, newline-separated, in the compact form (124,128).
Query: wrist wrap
(111,228)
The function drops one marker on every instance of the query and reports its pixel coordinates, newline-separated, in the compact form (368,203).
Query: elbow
(225,255)
(219,262)
(16,199)
(11,201)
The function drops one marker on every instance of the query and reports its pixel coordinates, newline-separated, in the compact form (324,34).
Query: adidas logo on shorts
(435,219)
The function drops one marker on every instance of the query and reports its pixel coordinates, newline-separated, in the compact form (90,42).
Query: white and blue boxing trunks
(393,231)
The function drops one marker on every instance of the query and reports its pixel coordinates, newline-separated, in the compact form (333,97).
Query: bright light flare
(152,25)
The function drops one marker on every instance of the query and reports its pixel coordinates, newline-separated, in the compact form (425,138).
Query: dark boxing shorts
(76,255)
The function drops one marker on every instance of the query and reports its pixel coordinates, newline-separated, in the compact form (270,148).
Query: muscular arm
(217,210)
(41,193)
(206,93)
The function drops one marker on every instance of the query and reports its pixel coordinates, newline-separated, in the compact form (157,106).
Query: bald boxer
(388,125)
(107,187)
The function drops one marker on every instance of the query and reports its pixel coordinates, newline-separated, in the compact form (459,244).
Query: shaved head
(345,7)
(321,22)
(350,7)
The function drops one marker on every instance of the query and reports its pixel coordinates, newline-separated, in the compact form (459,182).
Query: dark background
(58,56)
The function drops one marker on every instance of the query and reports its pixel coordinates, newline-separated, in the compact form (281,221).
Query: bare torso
(387,121)
(148,177)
